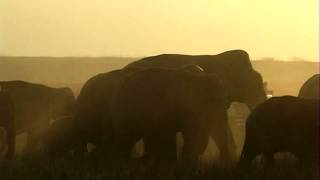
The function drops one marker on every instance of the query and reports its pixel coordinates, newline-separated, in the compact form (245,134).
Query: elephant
(7,124)
(92,121)
(93,111)
(233,68)
(36,106)
(282,124)
(156,103)
(310,89)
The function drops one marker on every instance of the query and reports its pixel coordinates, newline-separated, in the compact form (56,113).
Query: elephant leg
(106,139)
(195,143)
(103,147)
(161,147)
(34,137)
(32,142)
(123,144)
(80,149)
(11,136)
(222,135)
(11,140)
(251,149)
(308,165)
(248,154)
(88,129)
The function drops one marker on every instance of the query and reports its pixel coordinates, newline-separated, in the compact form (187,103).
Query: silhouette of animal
(310,89)
(7,124)
(156,103)
(92,122)
(282,124)
(233,68)
(35,106)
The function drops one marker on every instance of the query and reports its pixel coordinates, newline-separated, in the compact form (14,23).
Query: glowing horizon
(279,29)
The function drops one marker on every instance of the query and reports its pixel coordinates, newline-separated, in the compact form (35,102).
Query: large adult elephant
(35,106)
(156,103)
(233,68)
(310,89)
(282,124)
(92,122)
(7,124)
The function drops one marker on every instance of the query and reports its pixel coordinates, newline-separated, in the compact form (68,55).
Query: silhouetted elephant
(233,68)
(282,124)
(156,103)
(7,124)
(92,123)
(35,106)
(310,89)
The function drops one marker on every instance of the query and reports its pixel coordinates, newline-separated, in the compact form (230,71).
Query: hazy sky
(271,28)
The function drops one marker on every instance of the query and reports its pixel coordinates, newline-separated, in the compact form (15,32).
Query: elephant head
(62,103)
(252,92)
(61,138)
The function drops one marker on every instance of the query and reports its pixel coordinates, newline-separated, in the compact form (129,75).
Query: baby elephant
(282,124)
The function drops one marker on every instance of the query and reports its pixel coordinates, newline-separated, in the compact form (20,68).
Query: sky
(282,29)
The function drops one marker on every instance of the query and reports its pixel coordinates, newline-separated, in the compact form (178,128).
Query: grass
(87,168)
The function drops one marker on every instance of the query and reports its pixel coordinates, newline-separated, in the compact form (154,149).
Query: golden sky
(271,28)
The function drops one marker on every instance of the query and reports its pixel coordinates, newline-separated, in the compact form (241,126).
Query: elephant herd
(155,98)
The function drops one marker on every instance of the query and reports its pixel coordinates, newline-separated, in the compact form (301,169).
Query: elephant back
(234,67)
(310,89)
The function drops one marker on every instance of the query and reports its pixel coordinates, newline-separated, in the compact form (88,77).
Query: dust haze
(198,89)
(283,77)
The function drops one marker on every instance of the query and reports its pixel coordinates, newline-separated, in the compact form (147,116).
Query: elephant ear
(220,88)
(192,68)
